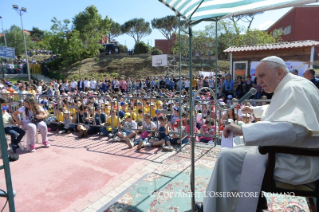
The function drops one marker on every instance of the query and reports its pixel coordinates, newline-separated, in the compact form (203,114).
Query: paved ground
(73,174)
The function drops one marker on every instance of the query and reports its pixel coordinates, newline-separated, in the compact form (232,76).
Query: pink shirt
(208,131)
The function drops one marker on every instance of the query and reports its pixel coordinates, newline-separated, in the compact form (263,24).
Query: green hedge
(141,48)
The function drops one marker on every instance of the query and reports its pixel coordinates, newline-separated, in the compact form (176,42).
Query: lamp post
(20,12)
(4,34)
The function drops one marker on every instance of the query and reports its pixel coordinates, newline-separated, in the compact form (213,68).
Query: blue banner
(7,52)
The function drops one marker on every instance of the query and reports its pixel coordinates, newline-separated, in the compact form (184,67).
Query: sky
(40,12)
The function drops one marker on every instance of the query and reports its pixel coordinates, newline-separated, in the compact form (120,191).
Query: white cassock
(292,119)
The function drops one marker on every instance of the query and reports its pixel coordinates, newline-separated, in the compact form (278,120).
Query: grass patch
(137,66)
(15,80)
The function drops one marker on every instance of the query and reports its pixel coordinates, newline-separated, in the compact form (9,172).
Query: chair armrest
(289,150)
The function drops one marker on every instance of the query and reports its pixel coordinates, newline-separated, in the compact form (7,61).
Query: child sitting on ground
(174,138)
(159,138)
(208,129)
(128,132)
(148,125)
(67,126)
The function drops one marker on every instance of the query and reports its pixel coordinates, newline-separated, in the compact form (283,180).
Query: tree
(141,48)
(36,33)
(14,38)
(92,28)
(137,28)
(248,18)
(227,36)
(167,26)
(115,30)
(57,37)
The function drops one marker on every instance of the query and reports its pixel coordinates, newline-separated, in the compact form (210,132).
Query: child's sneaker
(116,139)
(32,147)
(168,148)
(140,144)
(147,145)
(46,143)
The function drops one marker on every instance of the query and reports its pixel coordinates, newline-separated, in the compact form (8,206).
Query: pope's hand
(232,128)
(247,110)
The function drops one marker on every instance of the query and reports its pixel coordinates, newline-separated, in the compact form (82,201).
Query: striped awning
(210,10)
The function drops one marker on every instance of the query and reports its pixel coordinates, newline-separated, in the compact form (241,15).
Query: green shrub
(156,52)
(141,48)
(123,48)
(76,77)
(114,75)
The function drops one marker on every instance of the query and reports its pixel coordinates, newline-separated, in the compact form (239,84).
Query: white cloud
(265,25)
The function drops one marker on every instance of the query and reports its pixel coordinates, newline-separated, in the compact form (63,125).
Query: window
(277,32)
(287,30)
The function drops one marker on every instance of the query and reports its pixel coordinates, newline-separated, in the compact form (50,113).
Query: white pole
(25,48)
(231,64)
(4,34)
(312,54)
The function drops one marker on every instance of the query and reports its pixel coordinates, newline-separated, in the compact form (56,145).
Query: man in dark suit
(80,85)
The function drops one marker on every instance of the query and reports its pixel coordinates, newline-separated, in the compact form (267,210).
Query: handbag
(34,120)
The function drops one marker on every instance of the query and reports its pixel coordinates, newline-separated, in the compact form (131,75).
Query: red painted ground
(63,176)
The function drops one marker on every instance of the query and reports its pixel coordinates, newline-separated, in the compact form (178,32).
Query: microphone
(251,92)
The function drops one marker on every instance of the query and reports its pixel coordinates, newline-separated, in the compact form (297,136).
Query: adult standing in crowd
(33,116)
(310,75)
(80,85)
(228,86)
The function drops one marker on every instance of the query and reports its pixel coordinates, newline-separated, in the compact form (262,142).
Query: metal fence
(136,108)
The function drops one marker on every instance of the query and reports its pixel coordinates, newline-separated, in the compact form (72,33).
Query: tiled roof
(285,45)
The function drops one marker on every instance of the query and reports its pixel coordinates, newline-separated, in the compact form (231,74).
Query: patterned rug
(168,187)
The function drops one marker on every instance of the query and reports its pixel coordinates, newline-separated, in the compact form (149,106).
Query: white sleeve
(134,125)
(259,110)
(41,109)
(21,109)
(153,125)
(267,133)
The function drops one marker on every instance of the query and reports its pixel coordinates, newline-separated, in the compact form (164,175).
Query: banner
(7,52)
(291,65)
(206,73)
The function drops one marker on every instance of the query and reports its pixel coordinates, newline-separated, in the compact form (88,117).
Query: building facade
(163,44)
(300,23)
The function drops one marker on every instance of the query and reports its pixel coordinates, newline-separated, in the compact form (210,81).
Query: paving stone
(96,197)
(105,199)
(96,206)
(82,206)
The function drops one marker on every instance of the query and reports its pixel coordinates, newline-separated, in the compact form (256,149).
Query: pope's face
(268,78)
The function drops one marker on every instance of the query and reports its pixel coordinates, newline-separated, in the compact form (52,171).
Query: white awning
(210,10)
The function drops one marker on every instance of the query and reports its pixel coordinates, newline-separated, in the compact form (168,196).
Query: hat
(152,104)
(229,96)
(97,108)
(5,108)
(122,103)
(1,86)
(139,103)
(274,59)
(222,103)
(176,108)
(8,83)
(66,112)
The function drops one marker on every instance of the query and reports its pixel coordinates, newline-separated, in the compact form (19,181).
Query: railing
(72,104)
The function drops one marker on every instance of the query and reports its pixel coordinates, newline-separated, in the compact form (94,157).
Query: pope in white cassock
(291,119)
